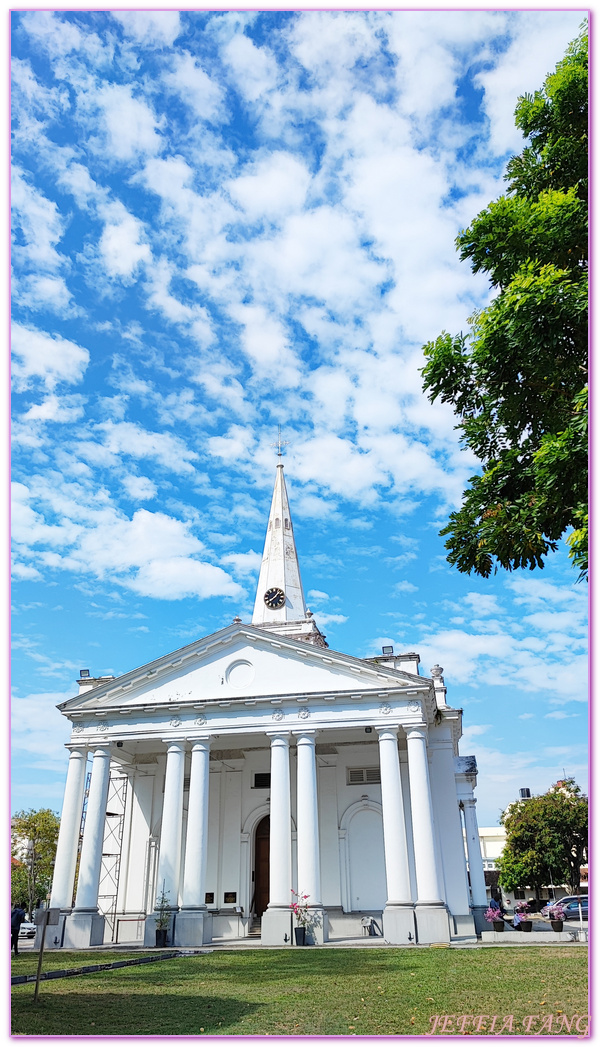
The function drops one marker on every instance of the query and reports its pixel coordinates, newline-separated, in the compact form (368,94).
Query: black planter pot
(525,925)
(557,925)
(300,935)
(161,937)
(498,925)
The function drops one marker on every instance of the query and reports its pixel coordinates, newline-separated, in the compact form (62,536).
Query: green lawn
(303,992)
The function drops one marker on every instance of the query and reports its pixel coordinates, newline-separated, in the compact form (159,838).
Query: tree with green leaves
(546,839)
(517,378)
(34,837)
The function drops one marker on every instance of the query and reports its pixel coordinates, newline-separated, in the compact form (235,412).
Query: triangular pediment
(241,662)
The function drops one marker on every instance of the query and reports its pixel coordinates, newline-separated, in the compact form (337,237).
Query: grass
(327,992)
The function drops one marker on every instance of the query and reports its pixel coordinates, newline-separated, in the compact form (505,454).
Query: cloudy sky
(224,222)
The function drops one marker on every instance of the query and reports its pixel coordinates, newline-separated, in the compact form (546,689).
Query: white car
(27,930)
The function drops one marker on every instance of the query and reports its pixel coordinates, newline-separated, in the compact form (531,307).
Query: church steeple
(279,597)
(280,605)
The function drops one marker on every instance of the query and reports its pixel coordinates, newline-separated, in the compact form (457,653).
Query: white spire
(279,596)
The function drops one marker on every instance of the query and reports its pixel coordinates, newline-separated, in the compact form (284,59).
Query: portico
(351,760)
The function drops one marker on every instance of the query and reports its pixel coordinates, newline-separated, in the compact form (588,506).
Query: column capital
(273,735)
(202,742)
(469,801)
(310,735)
(417,730)
(76,749)
(174,744)
(389,728)
(100,750)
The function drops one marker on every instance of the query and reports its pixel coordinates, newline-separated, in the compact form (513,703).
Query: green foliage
(34,838)
(517,379)
(546,839)
(163,910)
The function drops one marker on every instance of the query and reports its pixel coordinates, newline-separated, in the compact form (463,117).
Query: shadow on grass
(122,1014)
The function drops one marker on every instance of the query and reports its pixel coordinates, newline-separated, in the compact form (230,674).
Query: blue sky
(224,222)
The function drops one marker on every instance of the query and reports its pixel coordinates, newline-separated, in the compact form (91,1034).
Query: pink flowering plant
(493,915)
(556,912)
(299,908)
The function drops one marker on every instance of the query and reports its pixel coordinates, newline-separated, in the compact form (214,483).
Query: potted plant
(522,921)
(300,910)
(163,917)
(494,916)
(557,915)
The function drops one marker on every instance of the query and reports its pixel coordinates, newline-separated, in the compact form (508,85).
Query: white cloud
(130,126)
(43,292)
(204,96)
(123,246)
(41,355)
(316,594)
(244,564)
(324,618)
(274,186)
(254,69)
(405,587)
(53,409)
(264,340)
(139,488)
(176,577)
(60,36)
(38,729)
(128,438)
(483,604)
(150,28)
(40,222)
(538,43)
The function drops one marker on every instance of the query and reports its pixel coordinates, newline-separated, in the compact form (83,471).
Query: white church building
(257,761)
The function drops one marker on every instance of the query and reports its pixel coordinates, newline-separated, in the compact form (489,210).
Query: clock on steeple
(274,598)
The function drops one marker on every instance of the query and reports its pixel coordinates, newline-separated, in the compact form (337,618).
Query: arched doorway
(261,865)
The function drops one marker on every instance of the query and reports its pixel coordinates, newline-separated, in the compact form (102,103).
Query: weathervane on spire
(280,443)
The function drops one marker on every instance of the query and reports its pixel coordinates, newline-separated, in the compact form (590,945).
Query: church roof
(218,666)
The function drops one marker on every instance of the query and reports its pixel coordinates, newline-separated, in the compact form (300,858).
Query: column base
(193,927)
(432,923)
(150,930)
(318,930)
(480,923)
(276,927)
(399,924)
(82,929)
(464,925)
(54,934)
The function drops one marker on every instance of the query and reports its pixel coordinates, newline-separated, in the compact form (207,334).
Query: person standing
(17,917)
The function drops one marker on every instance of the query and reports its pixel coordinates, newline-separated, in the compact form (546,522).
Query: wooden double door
(261,865)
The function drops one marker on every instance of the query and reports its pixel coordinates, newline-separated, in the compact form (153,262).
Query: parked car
(565,901)
(27,930)
(572,908)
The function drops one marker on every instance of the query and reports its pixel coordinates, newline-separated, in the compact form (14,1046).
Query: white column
(68,836)
(93,834)
(394,833)
(431,916)
(280,848)
(194,877)
(476,873)
(428,888)
(309,871)
(169,858)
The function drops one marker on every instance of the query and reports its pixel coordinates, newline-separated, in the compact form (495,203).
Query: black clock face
(274,598)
